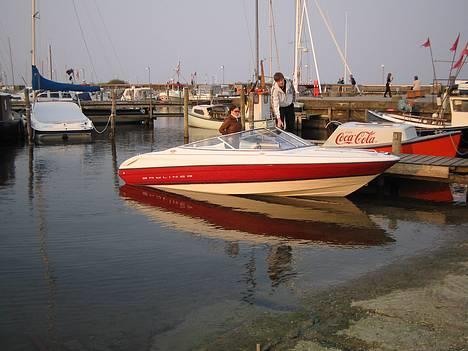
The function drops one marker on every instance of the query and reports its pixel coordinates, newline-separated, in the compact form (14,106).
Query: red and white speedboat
(258,161)
(379,136)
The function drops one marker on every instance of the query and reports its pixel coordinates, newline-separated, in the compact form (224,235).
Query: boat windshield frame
(272,139)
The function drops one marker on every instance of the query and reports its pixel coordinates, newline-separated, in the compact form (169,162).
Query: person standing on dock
(340,85)
(283,96)
(416,84)
(353,83)
(387,86)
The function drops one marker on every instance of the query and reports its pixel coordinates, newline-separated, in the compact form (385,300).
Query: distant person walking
(353,83)
(387,86)
(340,83)
(283,96)
(416,84)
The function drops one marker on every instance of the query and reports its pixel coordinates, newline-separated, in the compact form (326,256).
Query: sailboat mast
(50,62)
(33,34)
(296,46)
(345,47)
(11,63)
(270,20)
(256,41)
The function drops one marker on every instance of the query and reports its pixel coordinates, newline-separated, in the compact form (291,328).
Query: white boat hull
(311,187)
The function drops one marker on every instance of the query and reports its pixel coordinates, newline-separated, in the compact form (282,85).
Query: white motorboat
(258,161)
(59,120)
(212,116)
(207,116)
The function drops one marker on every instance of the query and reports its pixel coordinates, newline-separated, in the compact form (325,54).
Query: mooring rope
(105,128)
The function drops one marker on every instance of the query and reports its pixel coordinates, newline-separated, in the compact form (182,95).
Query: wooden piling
(396,143)
(242,107)
(113,109)
(28,115)
(186,126)
(149,121)
(251,110)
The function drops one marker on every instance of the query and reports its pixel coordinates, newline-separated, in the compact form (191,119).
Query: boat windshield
(268,139)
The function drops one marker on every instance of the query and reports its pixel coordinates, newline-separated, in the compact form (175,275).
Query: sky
(142,40)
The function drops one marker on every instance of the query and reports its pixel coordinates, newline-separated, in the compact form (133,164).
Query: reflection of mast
(249,279)
(48,269)
(115,167)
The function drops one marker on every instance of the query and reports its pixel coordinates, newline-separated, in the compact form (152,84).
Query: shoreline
(419,304)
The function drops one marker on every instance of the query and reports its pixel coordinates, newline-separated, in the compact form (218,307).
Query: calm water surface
(87,263)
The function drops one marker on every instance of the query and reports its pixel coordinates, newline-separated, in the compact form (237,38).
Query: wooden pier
(431,168)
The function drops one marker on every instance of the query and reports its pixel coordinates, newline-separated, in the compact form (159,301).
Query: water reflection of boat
(259,219)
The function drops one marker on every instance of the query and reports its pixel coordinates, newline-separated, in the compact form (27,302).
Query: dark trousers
(287,114)
(387,90)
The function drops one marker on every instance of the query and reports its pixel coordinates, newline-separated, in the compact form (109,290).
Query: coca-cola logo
(362,137)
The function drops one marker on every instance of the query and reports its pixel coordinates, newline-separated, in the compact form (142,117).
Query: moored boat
(59,120)
(458,116)
(258,161)
(207,116)
(379,136)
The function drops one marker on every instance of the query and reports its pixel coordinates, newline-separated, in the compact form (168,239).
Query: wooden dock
(432,168)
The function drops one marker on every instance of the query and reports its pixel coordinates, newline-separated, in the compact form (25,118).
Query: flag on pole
(427,43)
(465,51)
(460,61)
(455,44)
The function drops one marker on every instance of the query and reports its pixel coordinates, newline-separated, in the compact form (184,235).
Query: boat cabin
(136,94)
(459,109)
(214,112)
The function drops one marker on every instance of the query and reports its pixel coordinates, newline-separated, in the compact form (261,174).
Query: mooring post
(242,107)
(186,126)
(150,112)
(251,110)
(330,114)
(396,143)
(28,115)
(112,116)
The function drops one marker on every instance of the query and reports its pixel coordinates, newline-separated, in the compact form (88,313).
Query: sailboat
(56,119)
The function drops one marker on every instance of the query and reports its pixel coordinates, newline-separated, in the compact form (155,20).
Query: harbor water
(88,263)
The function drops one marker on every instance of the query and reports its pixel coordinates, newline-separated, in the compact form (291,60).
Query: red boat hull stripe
(248,173)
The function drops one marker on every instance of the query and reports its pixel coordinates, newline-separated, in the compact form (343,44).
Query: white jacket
(281,99)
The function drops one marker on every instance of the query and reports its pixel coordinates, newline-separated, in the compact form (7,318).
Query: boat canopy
(41,83)
(262,138)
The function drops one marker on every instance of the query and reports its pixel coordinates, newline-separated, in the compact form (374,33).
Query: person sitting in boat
(283,96)
(232,124)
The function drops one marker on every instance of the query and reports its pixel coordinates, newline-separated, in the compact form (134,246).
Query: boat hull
(266,179)
(444,144)
(201,122)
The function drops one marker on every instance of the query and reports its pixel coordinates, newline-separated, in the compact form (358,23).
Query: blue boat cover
(41,83)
